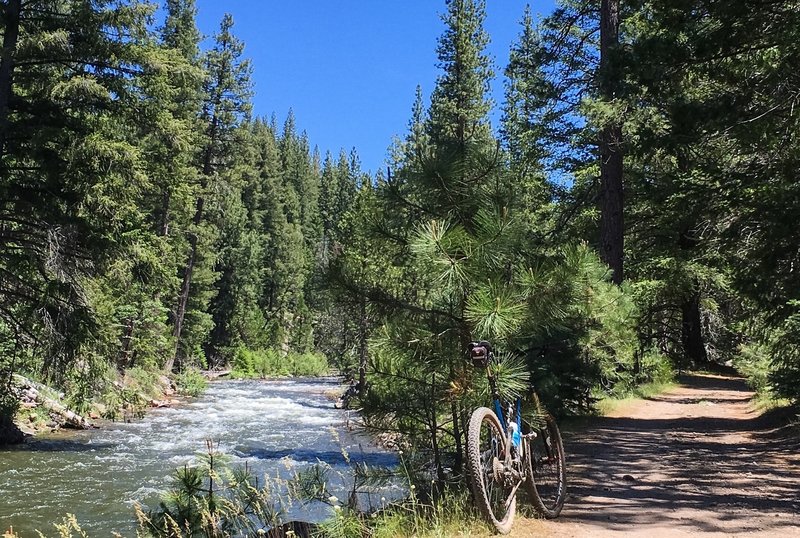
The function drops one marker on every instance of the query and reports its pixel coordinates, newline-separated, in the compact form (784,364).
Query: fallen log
(214,374)
(33,391)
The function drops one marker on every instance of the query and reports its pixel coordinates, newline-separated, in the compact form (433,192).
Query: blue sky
(349,68)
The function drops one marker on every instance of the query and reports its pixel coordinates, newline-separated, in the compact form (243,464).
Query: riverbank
(42,409)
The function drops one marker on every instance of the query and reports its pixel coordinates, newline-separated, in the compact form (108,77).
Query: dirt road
(695,461)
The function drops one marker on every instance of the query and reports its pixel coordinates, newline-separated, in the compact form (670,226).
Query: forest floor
(697,460)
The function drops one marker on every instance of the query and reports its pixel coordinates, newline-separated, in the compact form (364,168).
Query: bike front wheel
(486,449)
(546,480)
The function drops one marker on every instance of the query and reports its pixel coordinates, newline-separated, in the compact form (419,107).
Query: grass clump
(451,514)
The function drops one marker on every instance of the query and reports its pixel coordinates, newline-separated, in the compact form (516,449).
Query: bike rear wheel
(546,480)
(486,448)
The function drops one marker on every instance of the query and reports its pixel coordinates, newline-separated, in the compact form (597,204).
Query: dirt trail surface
(695,461)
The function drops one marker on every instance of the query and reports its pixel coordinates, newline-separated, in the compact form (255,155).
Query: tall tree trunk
(694,350)
(362,347)
(183,298)
(124,358)
(164,221)
(458,432)
(434,432)
(611,166)
(458,464)
(186,285)
(11,15)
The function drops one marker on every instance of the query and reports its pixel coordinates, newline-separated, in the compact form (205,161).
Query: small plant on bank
(308,364)
(212,500)
(190,382)
(425,511)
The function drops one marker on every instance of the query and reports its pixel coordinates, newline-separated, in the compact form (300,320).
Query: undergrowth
(608,404)
(265,363)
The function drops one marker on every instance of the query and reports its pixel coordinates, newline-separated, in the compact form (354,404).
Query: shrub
(243,363)
(754,362)
(655,367)
(212,500)
(143,381)
(263,363)
(268,362)
(307,364)
(191,382)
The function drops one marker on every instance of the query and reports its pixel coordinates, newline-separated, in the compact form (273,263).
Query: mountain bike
(506,452)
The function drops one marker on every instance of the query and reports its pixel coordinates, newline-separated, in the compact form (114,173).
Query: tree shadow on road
(699,473)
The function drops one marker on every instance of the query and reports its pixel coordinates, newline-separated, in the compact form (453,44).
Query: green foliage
(755,363)
(784,349)
(8,359)
(451,260)
(191,382)
(212,500)
(265,363)
(308,364)
(173,226)
(344,524)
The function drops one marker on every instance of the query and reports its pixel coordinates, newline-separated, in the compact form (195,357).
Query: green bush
(655,367)
(307,364)
(212,500)
(265,363)
(754,362)
(191,382)
(269,362)
(243,363)
(143,381)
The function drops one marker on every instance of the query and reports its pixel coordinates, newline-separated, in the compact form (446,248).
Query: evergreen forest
(631,215)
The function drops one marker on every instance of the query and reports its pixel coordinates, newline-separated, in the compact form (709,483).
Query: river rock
(10,434)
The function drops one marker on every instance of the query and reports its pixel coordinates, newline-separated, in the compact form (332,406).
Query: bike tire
(545,469)
(485,443)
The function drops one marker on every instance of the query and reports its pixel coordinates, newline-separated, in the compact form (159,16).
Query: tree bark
(363,331)
(694,349)
(611,164)
(164,221)
(183,299)
(434,431)
(11,16)
(186,285)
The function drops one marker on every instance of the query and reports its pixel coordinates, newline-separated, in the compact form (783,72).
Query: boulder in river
(9,433)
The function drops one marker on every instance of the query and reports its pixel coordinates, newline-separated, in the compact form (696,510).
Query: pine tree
(136,290)
(446,176)
(459,104)
(226,103)
(68,165)
(612,209)
(526,129)
(704,122)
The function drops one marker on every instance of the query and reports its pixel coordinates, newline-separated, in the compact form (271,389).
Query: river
(274,427)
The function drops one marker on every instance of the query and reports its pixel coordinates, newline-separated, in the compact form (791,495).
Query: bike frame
(513,435)
(516,435)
